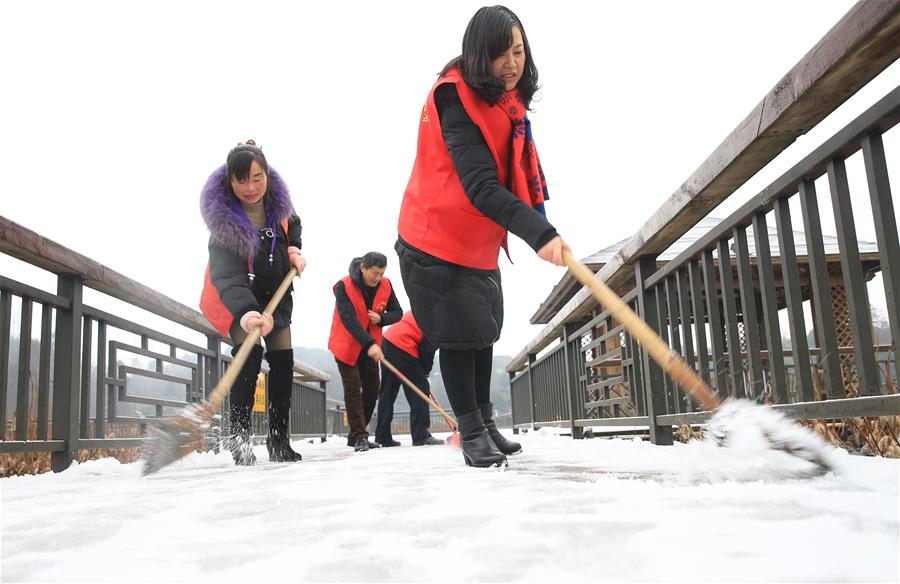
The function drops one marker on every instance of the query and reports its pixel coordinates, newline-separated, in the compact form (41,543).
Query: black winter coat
(233,238)
(229,273)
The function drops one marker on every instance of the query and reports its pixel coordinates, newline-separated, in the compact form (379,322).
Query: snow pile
(758,443)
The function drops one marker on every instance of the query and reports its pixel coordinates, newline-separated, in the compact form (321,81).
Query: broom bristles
(174,438)
(743,424)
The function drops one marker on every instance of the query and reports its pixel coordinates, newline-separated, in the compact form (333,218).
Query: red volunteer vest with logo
(405,334)
(436,216)
(341,343)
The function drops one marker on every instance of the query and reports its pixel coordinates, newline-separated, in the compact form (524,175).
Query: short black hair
(489,35)
(241,157)
(374,259)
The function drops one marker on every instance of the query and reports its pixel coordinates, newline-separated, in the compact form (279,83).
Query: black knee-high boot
(281,374)
(503,445)
(241,396)
(477,447)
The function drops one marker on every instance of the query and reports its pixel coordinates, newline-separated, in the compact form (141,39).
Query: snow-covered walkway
(564,510)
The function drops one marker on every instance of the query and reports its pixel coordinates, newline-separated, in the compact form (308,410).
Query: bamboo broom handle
(404,379)
(671,362)
(218,394)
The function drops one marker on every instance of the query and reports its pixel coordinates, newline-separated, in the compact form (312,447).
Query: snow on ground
(564,510)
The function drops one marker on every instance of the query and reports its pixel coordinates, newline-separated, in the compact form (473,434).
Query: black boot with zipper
(241,398)
(477,447)
(281,374)
(503,445)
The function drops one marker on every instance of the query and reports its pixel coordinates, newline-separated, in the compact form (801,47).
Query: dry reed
(25,463)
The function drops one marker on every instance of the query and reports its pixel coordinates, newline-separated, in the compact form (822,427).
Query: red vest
(436,216)
(405,334)
(341,343)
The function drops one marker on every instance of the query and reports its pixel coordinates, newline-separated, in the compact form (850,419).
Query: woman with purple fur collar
(254,240)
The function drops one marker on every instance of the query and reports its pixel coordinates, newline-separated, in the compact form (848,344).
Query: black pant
(360,393)
(467,378)
(419,416)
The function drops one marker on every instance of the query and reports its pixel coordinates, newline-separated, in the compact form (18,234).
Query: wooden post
(531,360)
(512,403)
(66,373)
(576,402)
(652,374)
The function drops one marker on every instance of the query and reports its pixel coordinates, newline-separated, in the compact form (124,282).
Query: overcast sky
(115,113)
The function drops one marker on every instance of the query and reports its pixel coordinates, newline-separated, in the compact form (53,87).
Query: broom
(454,437)
(181,434)
(733,415)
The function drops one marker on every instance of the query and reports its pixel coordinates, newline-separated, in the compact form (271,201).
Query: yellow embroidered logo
(424,115)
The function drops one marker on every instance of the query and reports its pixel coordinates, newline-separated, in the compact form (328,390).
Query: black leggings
(467,377)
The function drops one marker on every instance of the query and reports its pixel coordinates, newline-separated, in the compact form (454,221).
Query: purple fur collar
(226,220)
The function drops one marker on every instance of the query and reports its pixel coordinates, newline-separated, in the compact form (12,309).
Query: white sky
(115,113)
(563,511)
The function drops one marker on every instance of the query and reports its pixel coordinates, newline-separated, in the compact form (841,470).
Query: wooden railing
(89,379)
(704,306)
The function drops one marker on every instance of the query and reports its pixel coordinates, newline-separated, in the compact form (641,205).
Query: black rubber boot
(241,397)
(503,445)
(281,375)
(477,447)
(240,444)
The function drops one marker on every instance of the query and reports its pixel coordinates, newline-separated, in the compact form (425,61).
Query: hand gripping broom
(181,434)
(779,432)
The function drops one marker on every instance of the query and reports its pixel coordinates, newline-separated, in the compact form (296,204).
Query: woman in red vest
(254,239)
(364,302)
(476,177)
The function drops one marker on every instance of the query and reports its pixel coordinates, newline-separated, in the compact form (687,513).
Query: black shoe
(373,444)
(240,443)
(387,443)
(278,442)
(242,449)
(241,398)
(361,445)
(430,441)
(280,450)
(503,445)
(477,447)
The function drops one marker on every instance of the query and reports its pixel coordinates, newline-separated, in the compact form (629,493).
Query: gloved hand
(253,319)
(297,260)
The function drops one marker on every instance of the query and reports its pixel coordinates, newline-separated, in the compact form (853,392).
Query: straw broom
(779,433)
(178,436)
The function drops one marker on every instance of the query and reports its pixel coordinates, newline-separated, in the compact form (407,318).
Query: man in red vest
(364,303)
(407,349)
